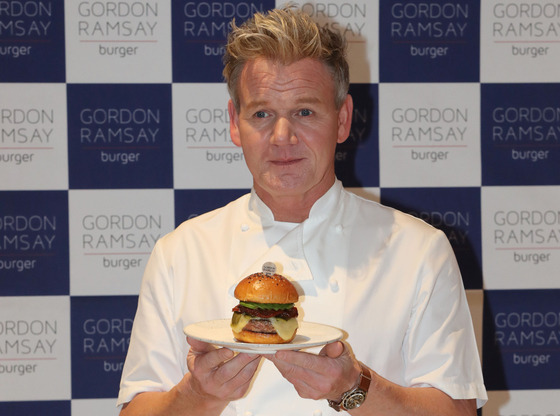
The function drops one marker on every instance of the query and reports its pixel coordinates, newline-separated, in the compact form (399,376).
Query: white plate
(219,333)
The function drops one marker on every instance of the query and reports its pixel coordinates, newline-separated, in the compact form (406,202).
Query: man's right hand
(217,374)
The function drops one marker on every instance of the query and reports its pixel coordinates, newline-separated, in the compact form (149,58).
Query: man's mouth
(286,162)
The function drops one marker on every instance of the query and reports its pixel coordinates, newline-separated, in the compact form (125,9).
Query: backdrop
(114,130)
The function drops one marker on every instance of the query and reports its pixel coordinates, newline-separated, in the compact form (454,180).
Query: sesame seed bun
(263,288)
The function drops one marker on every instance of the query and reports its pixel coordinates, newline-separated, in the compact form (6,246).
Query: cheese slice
(284,328)
(242,320)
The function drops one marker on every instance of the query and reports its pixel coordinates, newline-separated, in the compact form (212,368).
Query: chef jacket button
(333,283)
(318,413)
(244,227)
(338,229)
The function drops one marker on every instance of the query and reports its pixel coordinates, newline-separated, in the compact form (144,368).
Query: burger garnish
(266,313)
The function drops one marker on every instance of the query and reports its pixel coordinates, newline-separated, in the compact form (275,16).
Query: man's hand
(324,376)
(335,371)
(217,374)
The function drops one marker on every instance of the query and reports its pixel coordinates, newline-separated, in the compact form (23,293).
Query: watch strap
(355,396)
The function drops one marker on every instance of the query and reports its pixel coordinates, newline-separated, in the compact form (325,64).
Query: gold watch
(354,398)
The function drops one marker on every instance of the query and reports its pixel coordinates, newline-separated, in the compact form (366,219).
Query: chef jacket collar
(328,205)
(288,249)
(323,208)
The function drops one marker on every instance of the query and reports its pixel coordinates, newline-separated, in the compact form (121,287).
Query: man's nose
(283,132)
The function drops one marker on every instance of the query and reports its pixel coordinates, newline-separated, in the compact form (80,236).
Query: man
(388,280)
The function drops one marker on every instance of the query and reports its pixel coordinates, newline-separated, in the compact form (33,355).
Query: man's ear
(234,124)
(345,119)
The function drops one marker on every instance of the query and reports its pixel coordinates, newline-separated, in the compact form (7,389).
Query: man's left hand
(324,376)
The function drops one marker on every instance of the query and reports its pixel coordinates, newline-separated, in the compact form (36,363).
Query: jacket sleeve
(156,356)
(440,347)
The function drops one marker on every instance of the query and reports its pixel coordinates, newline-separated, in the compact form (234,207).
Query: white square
(519,41)
(124,42)
(520,237)
(95,407)
(204,157)
(358,21)
(33,140)
(112,233)
(35,348)
(429,135)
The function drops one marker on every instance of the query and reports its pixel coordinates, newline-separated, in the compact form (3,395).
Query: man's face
(288,126)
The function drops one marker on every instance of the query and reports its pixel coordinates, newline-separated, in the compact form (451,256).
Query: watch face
(354,399)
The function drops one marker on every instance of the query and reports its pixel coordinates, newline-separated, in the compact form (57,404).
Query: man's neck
(288,209)
(291,207)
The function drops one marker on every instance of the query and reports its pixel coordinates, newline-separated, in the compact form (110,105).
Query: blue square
(199,32)
(120,136)
(191,203)
(520,134)
(434,41)
(357,159)
(34,243)
(43,408)
(521,348)
(101,327)
(32,42)
(455,211)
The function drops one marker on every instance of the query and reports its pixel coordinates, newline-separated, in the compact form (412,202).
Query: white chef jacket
(388,280)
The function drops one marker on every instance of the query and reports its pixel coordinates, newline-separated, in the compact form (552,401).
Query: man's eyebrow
(256,103)
(298,101)
(308,100)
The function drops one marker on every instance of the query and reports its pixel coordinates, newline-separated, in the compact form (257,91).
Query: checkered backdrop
(114,130)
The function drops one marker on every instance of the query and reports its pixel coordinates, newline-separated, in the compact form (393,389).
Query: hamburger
(266,313)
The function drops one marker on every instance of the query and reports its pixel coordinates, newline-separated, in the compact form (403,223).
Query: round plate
(218,332)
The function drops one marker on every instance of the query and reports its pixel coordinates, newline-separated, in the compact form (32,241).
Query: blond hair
(286,36)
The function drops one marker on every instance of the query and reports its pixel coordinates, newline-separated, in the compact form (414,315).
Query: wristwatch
(355,397)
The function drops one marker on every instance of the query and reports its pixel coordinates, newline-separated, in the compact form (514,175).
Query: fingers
(218,372)
(326,375)
(242,366)
(334,349)
(239,371)
(305,372)
(210,356)
(312,362)
(199,346)
(235,375)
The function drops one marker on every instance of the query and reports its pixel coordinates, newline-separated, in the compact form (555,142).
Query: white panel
(429,135)
(112,233)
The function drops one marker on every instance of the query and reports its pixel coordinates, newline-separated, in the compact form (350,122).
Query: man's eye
(261,114)
(305,112)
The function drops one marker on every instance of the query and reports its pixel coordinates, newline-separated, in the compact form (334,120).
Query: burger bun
(263,288)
